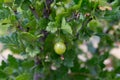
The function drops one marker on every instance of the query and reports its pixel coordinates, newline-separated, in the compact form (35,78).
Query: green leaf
(49,43)
(27,64)
(3,28)
(8,1)
(9,70)
(12,62)
(12,42)
(51,27)
(69,58)
(24,76)
(5,12)
(28,36)
(25,4)
(103,2)
(2,74)
(76,1)
(18,2)
(62,73)
(71,21)
(78,5)
(33,51)
(1,1)
(66,27)
(3,65)
(43,23)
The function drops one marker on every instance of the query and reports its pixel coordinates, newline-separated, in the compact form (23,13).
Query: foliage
(34,26)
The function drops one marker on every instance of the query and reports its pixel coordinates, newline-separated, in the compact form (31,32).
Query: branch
(47,10)
(19,23)
(33,10)
(85,22)
(37,62)
(37,76)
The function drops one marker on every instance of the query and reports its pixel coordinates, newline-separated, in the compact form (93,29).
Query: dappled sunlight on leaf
(115,52)
(87,31)
(108,65)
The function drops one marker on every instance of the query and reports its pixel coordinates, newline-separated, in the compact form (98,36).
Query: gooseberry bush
(60,39)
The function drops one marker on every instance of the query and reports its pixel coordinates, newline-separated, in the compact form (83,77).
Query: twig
(47,10)
(33,10)
(86,21)
(37,62)
(37,76)
(19,23)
